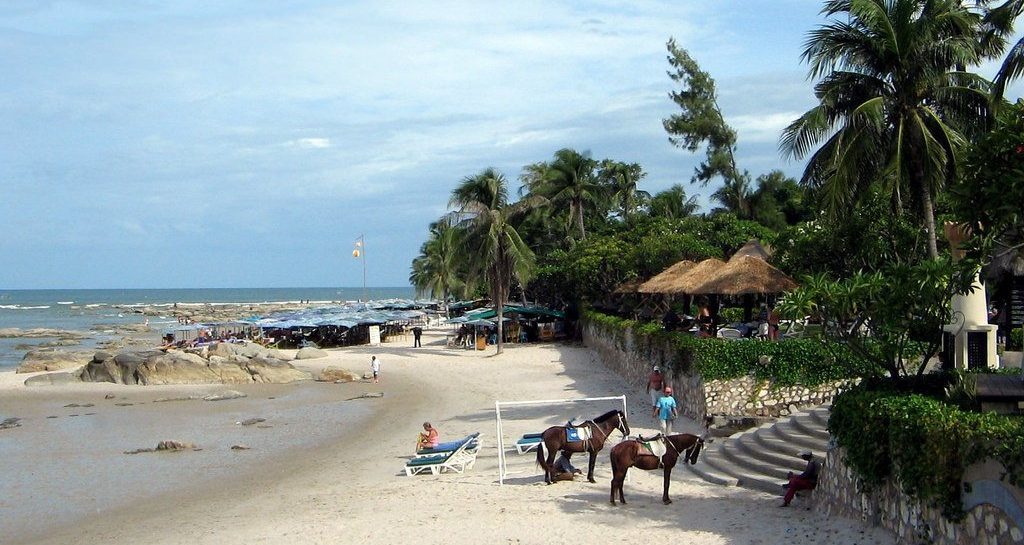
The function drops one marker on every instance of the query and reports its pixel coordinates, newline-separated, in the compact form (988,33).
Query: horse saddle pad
(577,434)
(656,448)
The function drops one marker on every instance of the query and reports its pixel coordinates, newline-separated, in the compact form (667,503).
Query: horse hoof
(592,480)
(666,502)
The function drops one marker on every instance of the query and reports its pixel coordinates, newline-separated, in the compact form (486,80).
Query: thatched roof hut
(745,275)
(629,286)
(664,280)
(752,248)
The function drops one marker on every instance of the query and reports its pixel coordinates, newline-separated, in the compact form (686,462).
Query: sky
(244,143)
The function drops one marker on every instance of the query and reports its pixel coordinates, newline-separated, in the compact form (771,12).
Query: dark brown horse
(554,439)
(633,453)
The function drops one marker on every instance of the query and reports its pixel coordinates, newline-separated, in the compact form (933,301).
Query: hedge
(807,362)
(922,443)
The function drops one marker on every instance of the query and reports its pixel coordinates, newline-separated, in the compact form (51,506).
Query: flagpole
(360,252)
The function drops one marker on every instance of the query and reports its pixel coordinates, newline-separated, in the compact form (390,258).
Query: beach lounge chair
(528,442)
(448,446)
(457,460)
(729,333)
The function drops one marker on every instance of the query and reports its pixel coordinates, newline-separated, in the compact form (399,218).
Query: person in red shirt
(654,385)
(429,438)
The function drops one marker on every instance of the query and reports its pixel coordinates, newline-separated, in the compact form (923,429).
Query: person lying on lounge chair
(429,438)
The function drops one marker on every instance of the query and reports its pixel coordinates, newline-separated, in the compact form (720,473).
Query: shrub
(1016,340)
(808,362)
(922,443)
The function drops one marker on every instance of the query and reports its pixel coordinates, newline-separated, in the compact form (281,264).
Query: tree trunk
(579,220)
(929,221)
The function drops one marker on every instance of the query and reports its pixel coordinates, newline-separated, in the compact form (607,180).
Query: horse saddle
(655,446)
(577,434)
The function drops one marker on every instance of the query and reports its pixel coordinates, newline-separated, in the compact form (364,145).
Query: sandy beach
(326,465)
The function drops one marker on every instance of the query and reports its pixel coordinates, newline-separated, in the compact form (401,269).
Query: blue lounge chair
(457,460)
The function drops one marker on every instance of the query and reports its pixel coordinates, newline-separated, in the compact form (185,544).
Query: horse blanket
(577,434)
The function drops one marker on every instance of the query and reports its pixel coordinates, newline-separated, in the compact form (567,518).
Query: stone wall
(751,397)
(698,398)
(993,509)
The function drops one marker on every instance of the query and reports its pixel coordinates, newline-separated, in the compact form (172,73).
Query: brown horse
(554,439)
(633,453)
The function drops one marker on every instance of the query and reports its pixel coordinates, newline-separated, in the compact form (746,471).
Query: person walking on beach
(807,480)
(375,368)
(417,332)
(654,384)
(665,411)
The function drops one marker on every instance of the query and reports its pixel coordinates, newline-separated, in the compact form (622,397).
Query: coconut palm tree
(491,246)
(735,197)
(672,203)
(998,25)
(621,180)
(892,109)
(437,269)
(568,181)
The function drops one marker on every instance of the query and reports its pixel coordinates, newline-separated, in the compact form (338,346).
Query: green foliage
(891,317)
(922,443)
(793,362)
(1016,339)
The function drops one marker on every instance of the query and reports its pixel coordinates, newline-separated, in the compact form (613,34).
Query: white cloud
(311,143)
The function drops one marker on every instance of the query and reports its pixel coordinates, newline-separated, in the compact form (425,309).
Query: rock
(9,423)
(223,350)
(109,396)
(251,421)
(229,372)
(39,332)
(121,369)
(337,375)
(182,398)
(227,394)
(310,353)
(50,360)
(101,356)
(75,405)
(174,445)
(239,447)
(175,367)
(274,371)
(53,379)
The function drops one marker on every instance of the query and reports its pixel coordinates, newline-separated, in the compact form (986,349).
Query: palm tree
(998,24)
(892,109)
(437,269)
(735,197)
(673,204)
(568,180)
(622,179)
(493,249)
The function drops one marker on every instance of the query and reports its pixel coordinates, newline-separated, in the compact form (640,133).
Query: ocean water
(83,310)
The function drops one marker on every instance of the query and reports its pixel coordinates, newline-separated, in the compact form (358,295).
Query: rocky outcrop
(337,374)
(53,379)
(41,333)
(51,360)
(310,353)
(226,364)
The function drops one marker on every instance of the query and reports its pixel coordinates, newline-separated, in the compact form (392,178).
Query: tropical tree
(492,247)
(735,197)
(622,179)
(892,108)
(568,181)
(998,24)
(700,121)
(673,203)
(437,270)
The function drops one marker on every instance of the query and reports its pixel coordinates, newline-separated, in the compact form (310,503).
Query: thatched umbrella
(692,279)
(665,281)
(752,248)
(629,286)
(744,275)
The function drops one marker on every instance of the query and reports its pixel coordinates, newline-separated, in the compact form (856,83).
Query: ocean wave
(65,302)
(94,305)
(19,307)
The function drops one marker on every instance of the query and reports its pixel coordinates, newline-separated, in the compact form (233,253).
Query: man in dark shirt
(804,481)
(417,332)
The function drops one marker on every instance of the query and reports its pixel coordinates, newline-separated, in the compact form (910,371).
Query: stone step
(753,465)
(777,454)
(810,427)
(705,472)
(743,476)
(786,431)
(820,416)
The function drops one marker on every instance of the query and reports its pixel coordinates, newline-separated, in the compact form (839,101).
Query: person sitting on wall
(807,480)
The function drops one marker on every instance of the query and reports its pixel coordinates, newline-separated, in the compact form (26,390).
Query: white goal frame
(502,472)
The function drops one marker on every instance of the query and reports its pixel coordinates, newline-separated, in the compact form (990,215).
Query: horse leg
(549,467)
(616,474)
(590,468)
(668,479)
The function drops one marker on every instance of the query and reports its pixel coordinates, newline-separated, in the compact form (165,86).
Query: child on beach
(375,369)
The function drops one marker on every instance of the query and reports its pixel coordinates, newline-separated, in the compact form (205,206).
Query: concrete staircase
(759,458)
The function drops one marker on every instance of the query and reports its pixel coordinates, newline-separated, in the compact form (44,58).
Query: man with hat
(804,481)
(665,410)
(654,384)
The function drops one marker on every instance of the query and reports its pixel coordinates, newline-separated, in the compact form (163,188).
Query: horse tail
(542,454)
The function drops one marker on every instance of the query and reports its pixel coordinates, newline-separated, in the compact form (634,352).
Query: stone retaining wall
(985,524)
(698,398)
